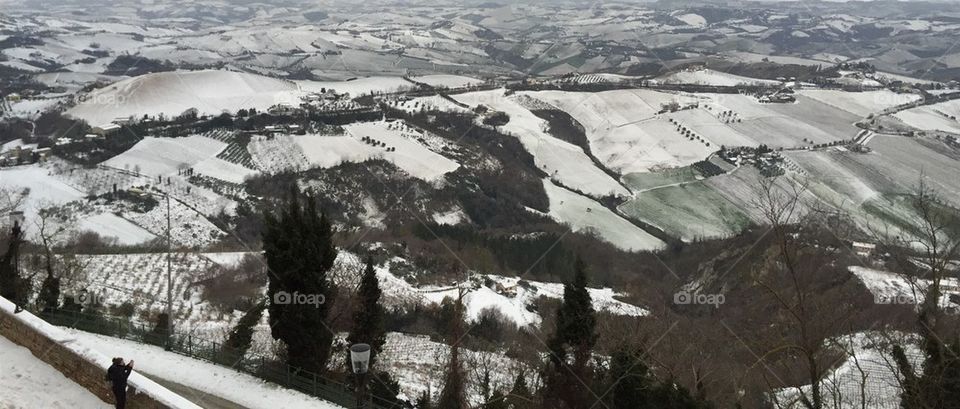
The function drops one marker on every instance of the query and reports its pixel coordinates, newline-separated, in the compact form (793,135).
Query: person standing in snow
(117,375)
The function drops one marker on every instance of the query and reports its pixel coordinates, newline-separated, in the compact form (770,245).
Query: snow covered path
(27,382)
(216,380)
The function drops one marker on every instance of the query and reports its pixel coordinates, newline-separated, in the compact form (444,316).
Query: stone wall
(58,354)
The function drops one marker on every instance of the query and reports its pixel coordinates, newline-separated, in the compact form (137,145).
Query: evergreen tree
(575,335)
(632,386)
(937,386)
(368,317)
(520,396)
(238,342)
(496,401)
(453,395)
(49,297)
(423,401)
(12,286)
(385,389)
(298,246)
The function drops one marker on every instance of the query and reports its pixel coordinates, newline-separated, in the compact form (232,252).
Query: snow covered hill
(171,93)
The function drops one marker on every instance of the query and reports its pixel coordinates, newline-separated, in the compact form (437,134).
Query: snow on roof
(140,383)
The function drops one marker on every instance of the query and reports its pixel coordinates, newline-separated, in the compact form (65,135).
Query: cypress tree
(299,250)
(520,396)
(368,317)
(12,286)
(575,334)
(453,395)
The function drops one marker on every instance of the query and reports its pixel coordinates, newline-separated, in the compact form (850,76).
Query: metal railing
(262,367)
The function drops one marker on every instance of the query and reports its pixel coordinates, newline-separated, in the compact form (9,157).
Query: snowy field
(711,77)
(449,81)
(26,382)
(783,125)
(564,162)
(300,152)
(31,108)
(688,211)
(860,103)
(42,189)
(624,130)
(937,117)
(587,215)
(165,156)
(188,227)
(427,103)
(866,378)
(110,225)
(359,86)
(891,288)
(171,93)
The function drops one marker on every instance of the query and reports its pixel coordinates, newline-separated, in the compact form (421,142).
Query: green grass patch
(650,180)
(689,211)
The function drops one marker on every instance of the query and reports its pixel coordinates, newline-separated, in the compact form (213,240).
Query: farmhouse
(863,249)
(106,129)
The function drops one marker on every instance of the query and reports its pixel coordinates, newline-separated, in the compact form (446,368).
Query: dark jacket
(118,374)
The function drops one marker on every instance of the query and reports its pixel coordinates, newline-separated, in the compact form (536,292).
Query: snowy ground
(26,382)
(511,298)
(359,86)
(417,363)
(243,389)
(941,116)
(42,189)
(449,81)
(587,215)
(625,131)
(564,162)
(861,103)
(165,156)
(890,288)
(110,225)
(507,295)
(710,77)
(284,152)
(868,367)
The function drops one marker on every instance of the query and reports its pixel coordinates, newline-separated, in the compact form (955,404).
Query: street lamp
(360,360)
(360,357)
(16,219)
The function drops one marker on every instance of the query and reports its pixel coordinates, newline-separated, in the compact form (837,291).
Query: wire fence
(268,369)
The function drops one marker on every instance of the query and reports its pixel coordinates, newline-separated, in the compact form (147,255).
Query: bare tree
(803,279)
